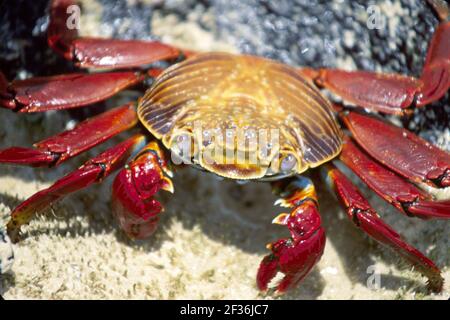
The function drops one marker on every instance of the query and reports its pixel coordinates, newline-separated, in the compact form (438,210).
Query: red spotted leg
(64,91)
(93,171)
(404,196)
(87,134)
(400,150)
(393,93)
(436,71)
(134,190)
(365,217)
(81,89)
(101,53)
(297,255)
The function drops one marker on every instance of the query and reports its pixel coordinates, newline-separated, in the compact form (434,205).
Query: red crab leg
(114,53)
(407,198)
(64,91)
(59,35)
(297,255)
(436,71)
(392,93)
(101,53)
(134,189)
(400,150)
(93,171)
(4,102)
(387,93)
(84,136)
(365,217)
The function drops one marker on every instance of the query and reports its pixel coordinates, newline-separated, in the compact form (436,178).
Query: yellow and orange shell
(219,92)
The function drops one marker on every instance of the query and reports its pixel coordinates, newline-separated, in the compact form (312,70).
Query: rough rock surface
(213,233)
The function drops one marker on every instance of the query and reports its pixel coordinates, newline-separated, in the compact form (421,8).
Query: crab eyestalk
(134,189)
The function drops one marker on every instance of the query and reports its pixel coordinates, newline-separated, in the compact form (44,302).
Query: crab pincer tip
(167,185)
(281,219)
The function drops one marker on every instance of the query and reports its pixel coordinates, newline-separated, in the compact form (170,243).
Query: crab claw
(134,189)
(295,256)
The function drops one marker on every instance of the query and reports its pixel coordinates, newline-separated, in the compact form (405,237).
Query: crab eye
(265,150)
(207,138)
(182,145)
(288,163)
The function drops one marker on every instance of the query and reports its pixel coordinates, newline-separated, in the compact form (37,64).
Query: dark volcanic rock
(298,32)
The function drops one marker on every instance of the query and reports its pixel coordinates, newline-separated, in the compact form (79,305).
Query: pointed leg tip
(281,219)
(263,290)
(168,185)
(13,232)
(280,292)
(435,283)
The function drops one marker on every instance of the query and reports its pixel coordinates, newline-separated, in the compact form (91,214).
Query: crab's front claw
(295,256)
(134,189)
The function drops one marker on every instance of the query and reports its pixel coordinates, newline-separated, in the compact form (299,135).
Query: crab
(214,111)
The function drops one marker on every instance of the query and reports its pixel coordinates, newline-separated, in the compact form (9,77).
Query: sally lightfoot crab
(214,110)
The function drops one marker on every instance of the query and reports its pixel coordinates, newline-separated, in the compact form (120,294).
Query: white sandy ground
(211,237)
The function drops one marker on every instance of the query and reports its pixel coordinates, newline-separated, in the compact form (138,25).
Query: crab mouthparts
(247,162)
